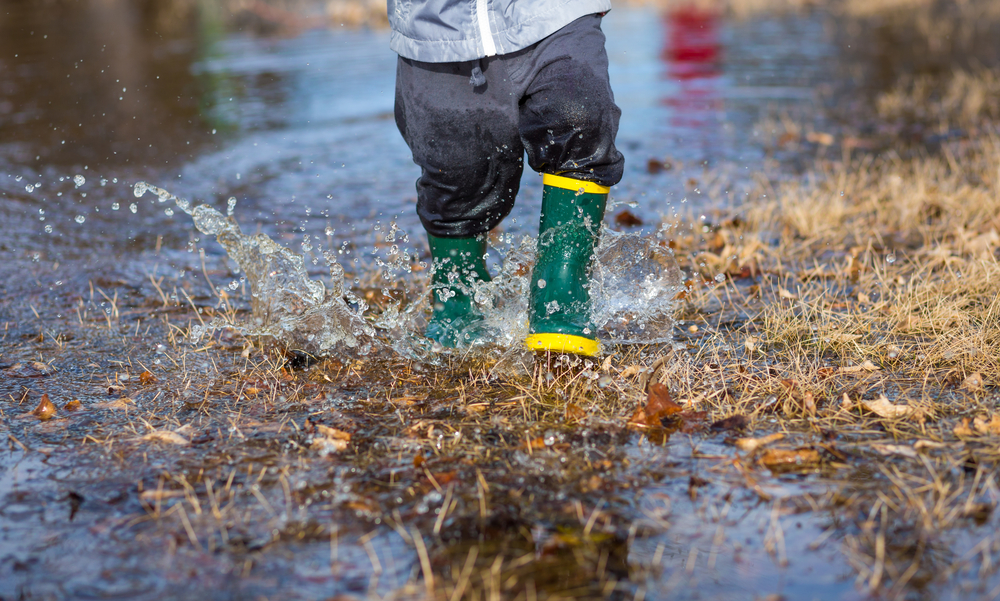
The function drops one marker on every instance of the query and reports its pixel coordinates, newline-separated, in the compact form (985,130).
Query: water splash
(286,304)
(635,281)
(634,285)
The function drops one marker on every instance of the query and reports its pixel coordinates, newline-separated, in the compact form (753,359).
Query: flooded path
(208,469)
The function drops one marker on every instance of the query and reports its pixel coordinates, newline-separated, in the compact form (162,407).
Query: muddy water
(95,96)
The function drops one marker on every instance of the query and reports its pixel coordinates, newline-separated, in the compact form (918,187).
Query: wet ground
(213,470)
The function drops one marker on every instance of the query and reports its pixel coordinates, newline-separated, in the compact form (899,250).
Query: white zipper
(483,20)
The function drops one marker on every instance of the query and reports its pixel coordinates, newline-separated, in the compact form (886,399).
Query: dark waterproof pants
(552,100)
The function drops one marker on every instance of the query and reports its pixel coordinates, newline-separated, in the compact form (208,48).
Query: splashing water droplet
(79,180)
(140,189)
(541,283)
(720,278)
(133,207)
(48,229)
(29,188)
(80,219)
(115,206)
(234,285)
(169,212)
(890,258)
(230,205)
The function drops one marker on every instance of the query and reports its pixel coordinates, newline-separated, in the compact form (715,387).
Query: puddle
(445,481)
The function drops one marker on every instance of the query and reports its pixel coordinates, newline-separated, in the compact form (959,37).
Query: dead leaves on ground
(661,413)
(45,409)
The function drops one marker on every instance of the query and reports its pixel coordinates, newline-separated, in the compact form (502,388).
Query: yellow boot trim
(563,343)
(576,185)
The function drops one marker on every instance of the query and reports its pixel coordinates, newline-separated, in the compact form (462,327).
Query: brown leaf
(883,408)
(146,378)
(330,440)
(575,413)
(74,405)
(628,219)
(789,459)
(987,424)
(963,430)
(973,383)
(45,409)
(733,422)
(752,444)
(865,365)
(658,406)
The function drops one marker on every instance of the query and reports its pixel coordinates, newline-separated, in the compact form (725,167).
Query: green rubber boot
(458,265)
(559,310)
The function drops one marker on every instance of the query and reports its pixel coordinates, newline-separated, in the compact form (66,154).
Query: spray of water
(286,304)
(634,283)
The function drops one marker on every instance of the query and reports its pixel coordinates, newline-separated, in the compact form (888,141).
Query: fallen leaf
(846,404)
(658,406)
(963,430)
(628,219)
(752,444)
(733,422)
(575,413)
(865,365)
(122,403)
(632,370)
(789,459)
(973,383)
(166,436)
(146,378)
(883,408)
(45,409)
(987,424)
(330,440)
(783,293)
(74,405)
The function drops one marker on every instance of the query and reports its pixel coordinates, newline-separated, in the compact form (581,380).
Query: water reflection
(693,55)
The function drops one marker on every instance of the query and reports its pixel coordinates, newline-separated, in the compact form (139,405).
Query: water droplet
(79,180)
(230,204)
(133,207)
(549,439)
(541,284)
(720,278)
(115,206)
(140,189)
(234,285)
(890,258)
(18,178)
(80,219)
(48,229)
(169,212)
(29,188)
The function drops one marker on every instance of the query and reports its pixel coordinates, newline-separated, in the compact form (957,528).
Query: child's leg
(568,125)
(568,118)
(467,144)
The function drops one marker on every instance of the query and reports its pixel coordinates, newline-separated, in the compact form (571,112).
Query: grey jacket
(444,31)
